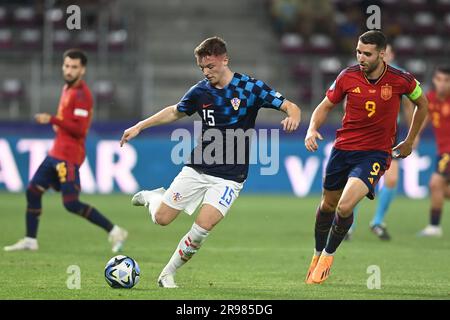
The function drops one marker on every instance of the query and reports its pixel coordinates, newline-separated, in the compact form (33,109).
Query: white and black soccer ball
(122,272)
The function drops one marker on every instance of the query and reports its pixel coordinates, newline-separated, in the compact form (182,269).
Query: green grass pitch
(260,251)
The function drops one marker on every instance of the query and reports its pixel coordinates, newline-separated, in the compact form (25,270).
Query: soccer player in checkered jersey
(60,169)
(363,146)
(224,100)
(439,116)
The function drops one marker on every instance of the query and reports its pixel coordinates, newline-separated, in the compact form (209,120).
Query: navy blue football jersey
(223,150)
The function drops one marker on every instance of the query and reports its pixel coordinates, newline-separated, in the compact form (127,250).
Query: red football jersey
(439,115)
(72,123)
(371,110)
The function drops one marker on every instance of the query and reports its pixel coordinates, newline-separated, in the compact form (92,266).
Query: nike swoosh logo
(206,105)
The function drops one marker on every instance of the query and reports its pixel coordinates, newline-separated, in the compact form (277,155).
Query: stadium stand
(141,52)
(30,54)
(419,34)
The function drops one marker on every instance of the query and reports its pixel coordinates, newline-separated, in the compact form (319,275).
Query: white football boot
(142,198)
(166,280)
(139,199)
(431,231)
(26,243)
(117,237)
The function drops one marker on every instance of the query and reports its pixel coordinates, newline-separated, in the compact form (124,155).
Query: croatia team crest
(176,196)
(386,92)
(235,102)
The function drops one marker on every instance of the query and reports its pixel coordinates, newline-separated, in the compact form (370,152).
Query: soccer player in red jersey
(388,191)
(439,114)
(60,169)
(363,146)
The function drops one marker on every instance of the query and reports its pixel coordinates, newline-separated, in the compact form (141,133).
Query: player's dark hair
(214,46)
(375,37)
(444,69)
(76,54)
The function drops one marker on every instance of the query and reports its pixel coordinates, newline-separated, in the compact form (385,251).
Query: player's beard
(71,82)
(371,68)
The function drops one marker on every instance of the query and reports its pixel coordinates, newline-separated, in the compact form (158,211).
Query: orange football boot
(322,270)
(312,266)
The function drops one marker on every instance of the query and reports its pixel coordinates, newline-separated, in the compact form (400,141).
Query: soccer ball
(122,272)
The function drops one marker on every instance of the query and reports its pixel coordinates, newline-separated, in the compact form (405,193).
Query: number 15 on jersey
(208,117)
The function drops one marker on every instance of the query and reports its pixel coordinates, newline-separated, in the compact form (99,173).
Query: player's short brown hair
(375,37)
(214,46)
(76,54)
(443,69)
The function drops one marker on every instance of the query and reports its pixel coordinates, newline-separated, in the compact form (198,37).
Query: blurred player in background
(439,115)
(226,101)
(60,169)
(363,146)
(389,189)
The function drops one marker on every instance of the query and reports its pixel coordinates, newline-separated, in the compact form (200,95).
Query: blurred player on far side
(439,116)
(60,169)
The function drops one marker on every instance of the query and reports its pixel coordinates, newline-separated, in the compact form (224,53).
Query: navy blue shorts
(443,165)
(368,166)
(59,175)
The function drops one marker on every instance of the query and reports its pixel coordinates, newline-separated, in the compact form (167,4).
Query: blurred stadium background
(141,59)
(141,51)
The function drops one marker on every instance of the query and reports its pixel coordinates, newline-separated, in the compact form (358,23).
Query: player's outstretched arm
(404,148)
(408,111)
(74,125)
(166,115)
(317,119)
(292,121)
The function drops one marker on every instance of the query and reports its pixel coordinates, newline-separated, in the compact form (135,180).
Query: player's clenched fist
(402,150)
(310,140)
(42,118)
(129,134)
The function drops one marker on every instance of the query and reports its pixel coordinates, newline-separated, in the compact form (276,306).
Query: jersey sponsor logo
(204,106)
(356,90)
(235,102)
(386,92)
(81,112)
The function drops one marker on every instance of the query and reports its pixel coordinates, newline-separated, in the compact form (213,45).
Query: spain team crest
(235,102)
(386,92)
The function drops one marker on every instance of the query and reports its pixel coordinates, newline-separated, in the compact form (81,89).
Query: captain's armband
(417,92)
